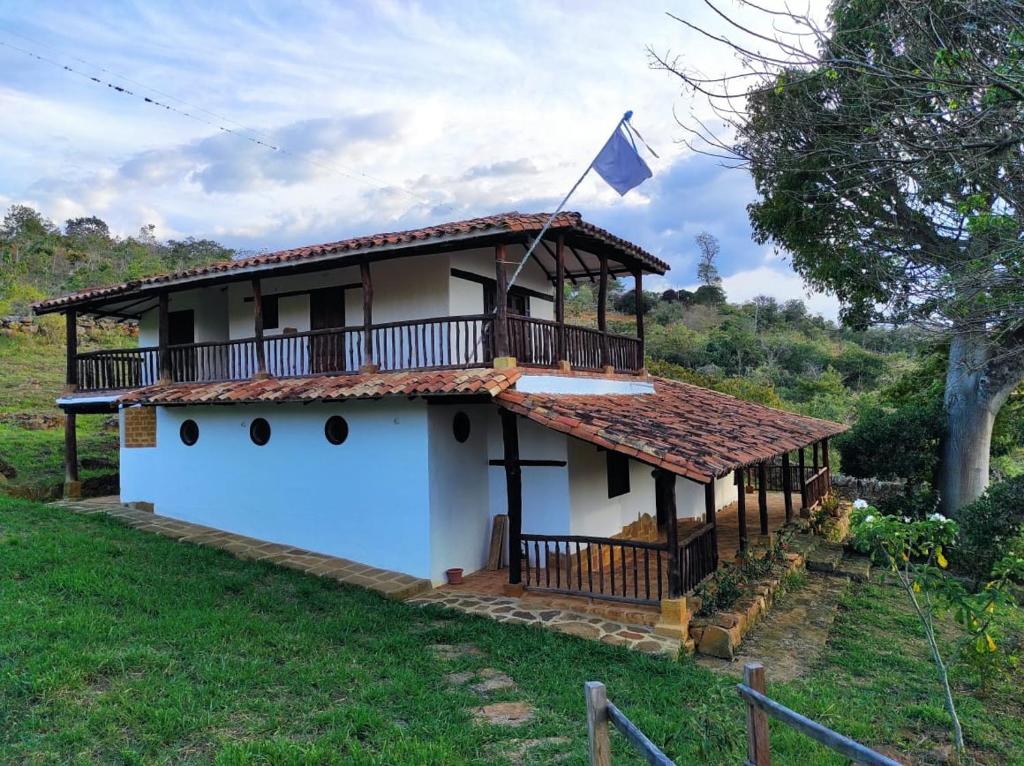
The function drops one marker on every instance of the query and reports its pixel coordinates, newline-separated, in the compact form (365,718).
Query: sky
(387,116)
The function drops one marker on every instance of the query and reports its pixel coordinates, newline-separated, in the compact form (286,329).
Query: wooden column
(257,321)
(816,464)
(72,487)
(163,337)
(500,303)
(825,456)
(665,502)
(71,336)
(709,517)
(801,463)
(602,308)
(514,493)
(762,496)
(741,508)
(560,353)
(638,293)
(787,486)
(364,273)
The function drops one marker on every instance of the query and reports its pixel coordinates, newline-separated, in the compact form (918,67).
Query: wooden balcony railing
(698,556)
(420,344)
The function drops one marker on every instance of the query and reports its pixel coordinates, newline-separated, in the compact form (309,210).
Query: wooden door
(181,331)
(326,312)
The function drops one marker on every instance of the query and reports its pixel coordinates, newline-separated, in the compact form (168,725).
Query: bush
(989,526)
(900,443)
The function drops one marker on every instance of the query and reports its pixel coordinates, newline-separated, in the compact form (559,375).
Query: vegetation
(117,646)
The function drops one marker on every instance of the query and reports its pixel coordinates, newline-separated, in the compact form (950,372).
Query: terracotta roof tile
(325,387)
(510,222)
(688,430)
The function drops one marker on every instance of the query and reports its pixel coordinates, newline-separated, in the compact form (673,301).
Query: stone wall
(14,324)
(873,490)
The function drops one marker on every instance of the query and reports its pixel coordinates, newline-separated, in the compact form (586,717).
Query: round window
(336,429)
(189,432)
(259,431)
(460,426)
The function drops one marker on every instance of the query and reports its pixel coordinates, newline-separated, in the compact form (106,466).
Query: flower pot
(454,576)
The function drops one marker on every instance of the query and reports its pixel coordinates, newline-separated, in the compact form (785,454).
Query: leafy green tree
(707,271)
(887,156)
(709,295)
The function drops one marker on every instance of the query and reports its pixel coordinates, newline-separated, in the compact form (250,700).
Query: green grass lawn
(118,646)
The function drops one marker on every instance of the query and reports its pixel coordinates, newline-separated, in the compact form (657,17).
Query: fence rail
(698,556)
(817,487)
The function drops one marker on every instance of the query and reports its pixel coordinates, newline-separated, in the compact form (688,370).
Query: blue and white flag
(620,164)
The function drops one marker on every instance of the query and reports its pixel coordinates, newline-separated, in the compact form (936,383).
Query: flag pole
(565,199)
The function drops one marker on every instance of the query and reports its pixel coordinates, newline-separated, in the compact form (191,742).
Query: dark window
(461,426)
(189,432)
(259,431)
(618,474)
(271,321)
(336,429)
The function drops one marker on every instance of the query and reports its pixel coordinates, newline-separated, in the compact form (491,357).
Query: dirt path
(789,640)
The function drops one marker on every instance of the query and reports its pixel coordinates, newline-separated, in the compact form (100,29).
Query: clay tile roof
(327,387)
(685,429)
(467,229)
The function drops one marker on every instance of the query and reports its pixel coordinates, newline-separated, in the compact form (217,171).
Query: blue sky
(394,114)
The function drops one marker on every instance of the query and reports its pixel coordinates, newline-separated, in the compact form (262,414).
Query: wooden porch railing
(698,556)
(534,342)
(115,369)
(774,477)
(817,487)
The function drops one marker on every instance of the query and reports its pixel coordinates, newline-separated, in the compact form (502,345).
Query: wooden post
(787,486)
(71,334)
(801,463)
(163,337)
(597,723)
(257,320)
(602,308)
(709,517)
(758,741)
(72,487)
(364,273)
(514,493)
(665,503)
(762,496)
(638,293)
(501,303)
(560,301)
(816,464)
(741,508)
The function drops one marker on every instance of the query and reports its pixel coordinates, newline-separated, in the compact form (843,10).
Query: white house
(383,398)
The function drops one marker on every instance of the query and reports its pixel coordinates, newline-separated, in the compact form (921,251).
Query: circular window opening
(460,426)
(189,432)
(259,431)
(336,429)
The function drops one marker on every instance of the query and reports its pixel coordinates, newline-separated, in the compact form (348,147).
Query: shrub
(989,526)
(900,443)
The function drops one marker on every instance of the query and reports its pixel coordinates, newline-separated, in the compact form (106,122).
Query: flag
(619,163)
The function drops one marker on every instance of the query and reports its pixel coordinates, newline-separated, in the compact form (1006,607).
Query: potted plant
(454,576)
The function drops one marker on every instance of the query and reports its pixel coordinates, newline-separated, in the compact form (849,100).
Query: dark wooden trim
(824,453)
(814,462)
(665,504)
(568,274)
(469,276)
(367,284)
(762,496)
(560,297)
(70,447)
(602,310)
(741,507)
(710,517)
(590,275)
(294,293)
(71,340)
(163,338)
(532,463)
(257,319)
(514,494)
(787,486)
(801,462)
(500,302)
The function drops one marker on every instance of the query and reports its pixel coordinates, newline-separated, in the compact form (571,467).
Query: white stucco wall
(466,297)
(367,499)
(211,315)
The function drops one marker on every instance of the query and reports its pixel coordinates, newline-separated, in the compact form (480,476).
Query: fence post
(597,723)
(758,746)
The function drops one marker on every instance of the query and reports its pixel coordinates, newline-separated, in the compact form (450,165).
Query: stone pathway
(507,609)
(794,633)
(393,585)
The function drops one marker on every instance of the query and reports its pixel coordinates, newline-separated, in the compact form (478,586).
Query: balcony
(424,344)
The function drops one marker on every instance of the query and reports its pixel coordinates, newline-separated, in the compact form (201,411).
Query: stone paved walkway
(393,585)
(507,609)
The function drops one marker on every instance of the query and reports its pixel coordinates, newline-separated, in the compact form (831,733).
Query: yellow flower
(905,556)
(941,559)
(917,587)
(991,643)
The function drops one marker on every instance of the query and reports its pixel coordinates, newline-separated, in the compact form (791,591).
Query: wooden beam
(501,302)
(638,294)
(815,463)
(762,496)
(665,504)
(71,339)
(709,517)
(163,337)
(532,463)
(741,508)
(367,280)
(554,257)
(787,486)
(802,473)
(588,272)
(72,489)
(514,495)
(560,298)
(602,309)
(825,459)
(257,320)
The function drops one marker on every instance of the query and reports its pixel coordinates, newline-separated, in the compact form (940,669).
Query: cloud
(522,166)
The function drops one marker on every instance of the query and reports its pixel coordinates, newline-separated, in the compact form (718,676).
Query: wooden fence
(760,707)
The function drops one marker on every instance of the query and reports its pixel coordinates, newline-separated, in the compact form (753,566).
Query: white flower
(937,517)
(860,504)
(868,519)
(906,519)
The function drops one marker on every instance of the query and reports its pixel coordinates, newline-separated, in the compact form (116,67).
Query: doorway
(327,312)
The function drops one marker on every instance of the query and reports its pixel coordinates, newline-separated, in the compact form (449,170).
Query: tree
(90,226)
(709,295)
(887,153)
(23,221)
(707,271)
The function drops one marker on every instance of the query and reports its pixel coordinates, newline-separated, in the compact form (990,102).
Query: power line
(256,138)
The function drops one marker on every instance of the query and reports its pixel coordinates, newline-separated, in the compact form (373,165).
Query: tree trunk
(972,401)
